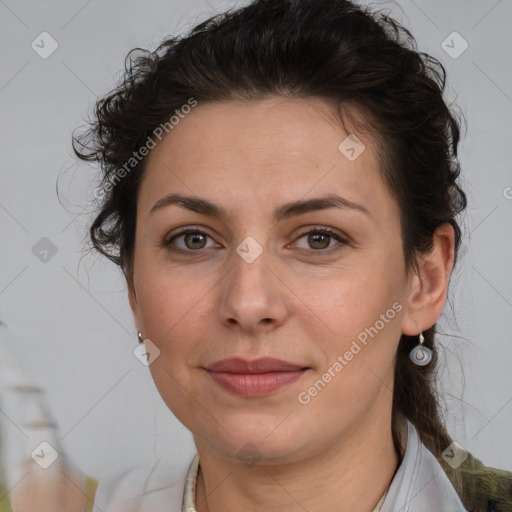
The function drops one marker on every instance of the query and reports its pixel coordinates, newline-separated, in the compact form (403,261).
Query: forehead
(261,152)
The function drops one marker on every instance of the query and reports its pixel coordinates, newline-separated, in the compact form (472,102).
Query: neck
(350,475)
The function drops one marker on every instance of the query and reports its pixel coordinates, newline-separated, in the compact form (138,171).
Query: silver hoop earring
(141,339)
(420,354)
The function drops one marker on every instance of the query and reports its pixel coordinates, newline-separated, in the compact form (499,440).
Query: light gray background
(68,321)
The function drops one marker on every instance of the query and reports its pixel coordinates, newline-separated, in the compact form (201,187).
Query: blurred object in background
(35,473)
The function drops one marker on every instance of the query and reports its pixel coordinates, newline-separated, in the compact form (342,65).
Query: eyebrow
(285,211)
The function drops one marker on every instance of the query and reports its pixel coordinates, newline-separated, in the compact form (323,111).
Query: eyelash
(323,231)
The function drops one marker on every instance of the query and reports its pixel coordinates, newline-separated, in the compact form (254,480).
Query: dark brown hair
(326,49)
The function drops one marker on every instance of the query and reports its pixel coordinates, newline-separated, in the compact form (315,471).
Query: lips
(254,378)
(263,365)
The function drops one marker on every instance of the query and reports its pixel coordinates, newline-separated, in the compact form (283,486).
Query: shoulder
(481,488)
(152,488)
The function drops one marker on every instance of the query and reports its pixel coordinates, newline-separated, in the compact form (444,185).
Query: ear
(132,297)
(428,286)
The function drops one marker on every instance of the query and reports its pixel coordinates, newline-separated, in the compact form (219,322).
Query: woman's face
(262,280)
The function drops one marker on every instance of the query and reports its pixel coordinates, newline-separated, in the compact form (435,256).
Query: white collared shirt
(419,485)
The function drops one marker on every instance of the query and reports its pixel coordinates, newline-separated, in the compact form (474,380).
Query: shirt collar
(420,483)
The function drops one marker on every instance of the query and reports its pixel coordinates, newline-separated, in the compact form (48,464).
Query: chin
(272,440)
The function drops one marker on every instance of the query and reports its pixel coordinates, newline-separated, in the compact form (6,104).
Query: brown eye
(188,241)
(320,239)
(194,240)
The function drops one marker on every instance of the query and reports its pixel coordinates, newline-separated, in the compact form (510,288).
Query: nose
(253,296)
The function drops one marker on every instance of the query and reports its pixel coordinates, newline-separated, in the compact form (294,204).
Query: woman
(280,189)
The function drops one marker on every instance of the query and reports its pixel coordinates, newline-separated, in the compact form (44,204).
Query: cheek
(357,356)
(170,300)
(348,302)
(178,314)
(358,317)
